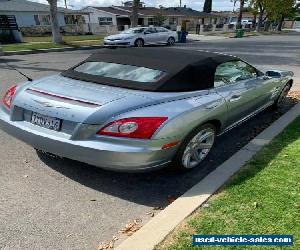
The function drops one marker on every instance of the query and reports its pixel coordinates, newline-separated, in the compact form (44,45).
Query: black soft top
(186,70)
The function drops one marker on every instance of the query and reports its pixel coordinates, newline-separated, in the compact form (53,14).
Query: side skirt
(246,118)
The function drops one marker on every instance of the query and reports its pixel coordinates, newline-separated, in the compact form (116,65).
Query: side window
(152,30)
(161,29)
(232,72)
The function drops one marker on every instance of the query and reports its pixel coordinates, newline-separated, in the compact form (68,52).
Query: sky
(195,4)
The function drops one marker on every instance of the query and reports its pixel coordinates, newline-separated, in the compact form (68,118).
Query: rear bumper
(102,154)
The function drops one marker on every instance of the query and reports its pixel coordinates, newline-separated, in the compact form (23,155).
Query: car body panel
(86,107)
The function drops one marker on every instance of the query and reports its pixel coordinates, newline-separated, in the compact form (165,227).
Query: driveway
(48,203)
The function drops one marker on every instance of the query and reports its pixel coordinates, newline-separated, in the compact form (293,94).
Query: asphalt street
(48,203)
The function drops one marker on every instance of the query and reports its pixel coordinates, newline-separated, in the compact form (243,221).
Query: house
(116,18)
(34,18)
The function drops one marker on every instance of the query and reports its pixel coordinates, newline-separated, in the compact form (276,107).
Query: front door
(150,35)
(237,82)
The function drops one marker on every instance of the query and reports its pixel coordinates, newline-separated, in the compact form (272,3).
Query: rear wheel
(171,41)
(139,43)
(195,147)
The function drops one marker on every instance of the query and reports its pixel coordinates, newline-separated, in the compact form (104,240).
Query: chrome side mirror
(273,74)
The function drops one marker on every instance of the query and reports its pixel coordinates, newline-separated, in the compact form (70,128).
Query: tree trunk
(280,23)
(135,14)
(56,36)
(240,16)
(267,25)
(207,6)
(260,18)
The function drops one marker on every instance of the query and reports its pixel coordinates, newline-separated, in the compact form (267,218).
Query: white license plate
(46,121)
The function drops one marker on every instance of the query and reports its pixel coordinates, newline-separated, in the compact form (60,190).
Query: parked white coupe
(141,36)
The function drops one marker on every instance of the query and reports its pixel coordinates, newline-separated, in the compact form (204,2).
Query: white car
(243,22)
(141,36)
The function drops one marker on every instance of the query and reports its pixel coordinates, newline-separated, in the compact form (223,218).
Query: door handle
(213,105)
(235,98)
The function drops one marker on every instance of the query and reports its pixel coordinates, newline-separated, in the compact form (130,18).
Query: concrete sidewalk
(195,37)
(165,222)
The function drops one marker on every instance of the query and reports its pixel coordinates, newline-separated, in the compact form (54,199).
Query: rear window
(121,71)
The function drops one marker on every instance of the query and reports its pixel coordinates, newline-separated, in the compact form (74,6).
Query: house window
(150,21)
(172,21)
(42,20)
(105,20)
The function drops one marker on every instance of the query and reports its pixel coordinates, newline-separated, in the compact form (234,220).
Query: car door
(162,35)
(236,82)
(150,35)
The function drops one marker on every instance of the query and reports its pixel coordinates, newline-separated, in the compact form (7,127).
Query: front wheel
(195,147)
(282,96)
(171,41)
(139,43)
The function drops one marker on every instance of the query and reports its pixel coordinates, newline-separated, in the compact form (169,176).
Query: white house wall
(95,14)
(26,19)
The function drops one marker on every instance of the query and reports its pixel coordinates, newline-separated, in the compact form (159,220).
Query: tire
(139,43)
(184,159)
(280,100)
(171,41)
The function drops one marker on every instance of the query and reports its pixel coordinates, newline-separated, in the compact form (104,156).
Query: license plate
(46,121)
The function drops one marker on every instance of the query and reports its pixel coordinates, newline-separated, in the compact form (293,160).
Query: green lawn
(65,38)
(35,43)
(263,198)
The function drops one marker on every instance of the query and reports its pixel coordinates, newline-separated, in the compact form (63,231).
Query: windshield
(133,31)
(120,71)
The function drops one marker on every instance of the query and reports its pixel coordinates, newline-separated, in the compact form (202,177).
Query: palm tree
(135,14)
(240,16)
(56,36)
(207,6)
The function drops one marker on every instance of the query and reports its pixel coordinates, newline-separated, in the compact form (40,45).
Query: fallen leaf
(132,227)
(115,238)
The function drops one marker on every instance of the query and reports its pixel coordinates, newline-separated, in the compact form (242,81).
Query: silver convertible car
(140,108)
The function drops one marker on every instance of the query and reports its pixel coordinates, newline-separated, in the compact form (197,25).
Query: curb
(37,51)
(156,230)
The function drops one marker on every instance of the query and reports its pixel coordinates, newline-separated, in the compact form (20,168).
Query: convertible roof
(186,70)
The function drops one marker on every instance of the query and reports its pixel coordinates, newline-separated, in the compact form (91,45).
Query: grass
(262,198)
(65,38)
(35,43)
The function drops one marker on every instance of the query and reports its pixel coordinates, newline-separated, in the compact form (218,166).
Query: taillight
(135,127)
(9,95)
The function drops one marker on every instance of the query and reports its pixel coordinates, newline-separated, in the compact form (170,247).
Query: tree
(277,10)
(240,16)
(259,7)
(56,36)
(159,19)
(135,14)
(207,6)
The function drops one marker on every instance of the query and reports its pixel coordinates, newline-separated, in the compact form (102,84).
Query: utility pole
(180,3)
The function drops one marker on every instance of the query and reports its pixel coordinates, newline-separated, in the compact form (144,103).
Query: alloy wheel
(283,95)
(198,148)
